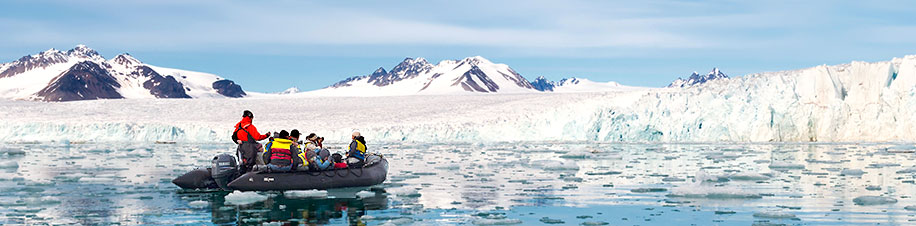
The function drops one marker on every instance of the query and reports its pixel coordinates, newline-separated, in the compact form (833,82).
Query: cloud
(206,25)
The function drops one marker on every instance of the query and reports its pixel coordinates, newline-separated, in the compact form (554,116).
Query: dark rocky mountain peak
(160,86)
(469,81)
(542,84)
(228,88)
(83,81)
(696,78)
(29,62)
(127,60)
(409,68)
(83,51)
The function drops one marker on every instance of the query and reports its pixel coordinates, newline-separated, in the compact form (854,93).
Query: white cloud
(241,23)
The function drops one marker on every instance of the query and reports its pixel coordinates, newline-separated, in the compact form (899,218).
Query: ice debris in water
(749,176)
(96,180)
(548,220)
(397,221)
(646,190)
(404,192)
(199,204)
(710,192)
(579,154)
(301,194)
(910,208)
(555,165)
(873,200)
(852,172)
(496,221)
(907,170)
(786,165)
(774,215)
(9,165)
(244,198)
(365,194)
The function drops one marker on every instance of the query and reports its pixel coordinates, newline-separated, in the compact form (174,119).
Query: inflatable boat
(222,176)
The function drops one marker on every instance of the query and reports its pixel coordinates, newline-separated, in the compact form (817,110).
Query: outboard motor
(224,170)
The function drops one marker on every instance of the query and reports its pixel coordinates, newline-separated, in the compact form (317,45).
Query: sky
(269,46)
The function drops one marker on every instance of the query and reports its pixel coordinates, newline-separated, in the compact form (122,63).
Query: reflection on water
(481,184)
(282,210)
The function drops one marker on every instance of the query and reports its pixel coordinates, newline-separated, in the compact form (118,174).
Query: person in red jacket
(246,136)
(244,128)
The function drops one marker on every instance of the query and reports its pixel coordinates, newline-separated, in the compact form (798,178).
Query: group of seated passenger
(285,152)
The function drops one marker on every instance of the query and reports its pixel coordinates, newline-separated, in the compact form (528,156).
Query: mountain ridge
(55,75)
(476,74)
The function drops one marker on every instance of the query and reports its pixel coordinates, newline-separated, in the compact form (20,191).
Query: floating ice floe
(852,172)
(578,154)
(709,192)
(774,215)
(496,221)
(404,192)
(12,151)
(9,165)
(673,179)
(548,220)
(907,170)
(452,166)
(96,180)
(301,194)
(244,198)
(722,156)
(786,165)
(365,194)
(749,176)
(910,208)
(397,221)
(555,165)
(647,190)
(873,200)
(199,204)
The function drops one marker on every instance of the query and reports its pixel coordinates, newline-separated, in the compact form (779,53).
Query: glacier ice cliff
(855,102)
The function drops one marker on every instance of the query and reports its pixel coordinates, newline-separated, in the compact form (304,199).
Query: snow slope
(578,85)
(853,102)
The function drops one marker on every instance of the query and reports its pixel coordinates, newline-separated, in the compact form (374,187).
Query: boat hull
(337,178)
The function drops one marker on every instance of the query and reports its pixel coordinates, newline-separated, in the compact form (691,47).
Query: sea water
(532,183)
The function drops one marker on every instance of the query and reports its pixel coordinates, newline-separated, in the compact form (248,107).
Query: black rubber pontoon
(373,174)
(196,179)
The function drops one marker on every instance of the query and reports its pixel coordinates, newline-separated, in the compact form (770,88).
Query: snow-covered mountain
(470,75)
(417,76)
(290,90)
(82,74)
(696,78)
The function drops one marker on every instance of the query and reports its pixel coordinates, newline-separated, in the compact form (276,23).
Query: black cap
(247,113)
(295,133)
(284,134)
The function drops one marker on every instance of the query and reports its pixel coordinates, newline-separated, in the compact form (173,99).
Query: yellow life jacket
(360,150)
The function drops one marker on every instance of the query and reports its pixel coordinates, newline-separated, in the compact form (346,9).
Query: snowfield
(853,102)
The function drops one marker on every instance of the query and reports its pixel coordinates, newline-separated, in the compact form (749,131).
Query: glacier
(855,102)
